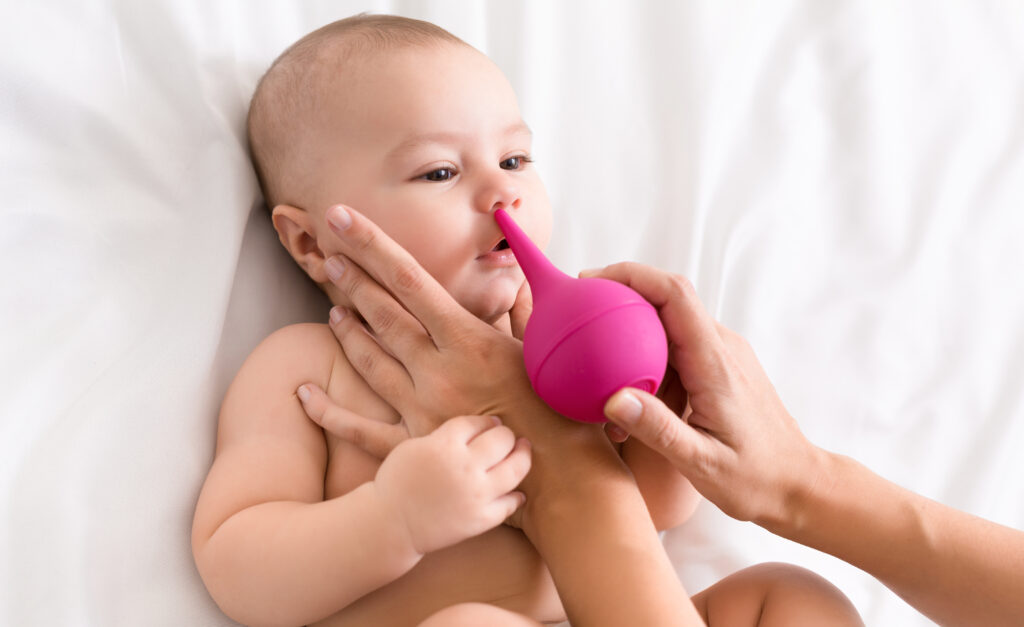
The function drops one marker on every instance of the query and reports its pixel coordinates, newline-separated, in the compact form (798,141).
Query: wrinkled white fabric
(842,181)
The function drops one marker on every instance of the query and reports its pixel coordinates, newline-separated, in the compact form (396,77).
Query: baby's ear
(297,233)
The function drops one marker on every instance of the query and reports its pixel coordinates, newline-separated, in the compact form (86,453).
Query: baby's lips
(494,246)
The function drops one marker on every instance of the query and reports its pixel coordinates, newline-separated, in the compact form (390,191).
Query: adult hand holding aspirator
(955,568)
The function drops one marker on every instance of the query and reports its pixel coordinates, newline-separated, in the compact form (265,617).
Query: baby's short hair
(287,98)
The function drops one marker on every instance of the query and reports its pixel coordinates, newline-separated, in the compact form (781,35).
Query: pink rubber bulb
(587,338)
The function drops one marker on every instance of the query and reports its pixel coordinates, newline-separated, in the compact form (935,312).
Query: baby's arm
(272,551)
(269,548)
(669,496)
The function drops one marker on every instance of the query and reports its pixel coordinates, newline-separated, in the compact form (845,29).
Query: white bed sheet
(842,181)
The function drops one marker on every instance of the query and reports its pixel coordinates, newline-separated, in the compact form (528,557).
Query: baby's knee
(475,614)
(779,594)
(795,596)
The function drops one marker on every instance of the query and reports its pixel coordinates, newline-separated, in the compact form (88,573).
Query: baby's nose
(500,197)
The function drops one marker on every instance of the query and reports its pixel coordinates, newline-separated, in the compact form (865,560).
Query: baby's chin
(492,307)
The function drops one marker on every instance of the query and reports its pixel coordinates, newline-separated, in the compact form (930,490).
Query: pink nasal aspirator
(586,338)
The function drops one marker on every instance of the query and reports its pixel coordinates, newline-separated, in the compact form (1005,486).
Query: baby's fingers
(509,472)
(376,438)
(492,446)
(506,505)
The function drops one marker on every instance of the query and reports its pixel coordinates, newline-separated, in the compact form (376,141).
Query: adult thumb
(649,420)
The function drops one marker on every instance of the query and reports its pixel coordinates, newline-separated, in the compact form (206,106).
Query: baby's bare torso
(500,567)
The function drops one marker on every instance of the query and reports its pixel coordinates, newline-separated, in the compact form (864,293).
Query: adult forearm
(589,524)
(289,563)
(955,568)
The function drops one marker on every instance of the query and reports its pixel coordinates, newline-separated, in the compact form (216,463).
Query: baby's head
(415,129)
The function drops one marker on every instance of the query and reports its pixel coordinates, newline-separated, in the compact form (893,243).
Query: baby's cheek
(449,270)
(541,233)
(540,217)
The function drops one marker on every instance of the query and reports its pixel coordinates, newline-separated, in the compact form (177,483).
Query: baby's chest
(348,467)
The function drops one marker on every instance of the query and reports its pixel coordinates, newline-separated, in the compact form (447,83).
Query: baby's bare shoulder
(309,347)
(268,379)
(310,353)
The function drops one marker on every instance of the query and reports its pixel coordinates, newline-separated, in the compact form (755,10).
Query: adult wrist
(806,495)
(562,484)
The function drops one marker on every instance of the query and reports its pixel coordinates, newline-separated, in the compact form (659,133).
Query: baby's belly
(500,567)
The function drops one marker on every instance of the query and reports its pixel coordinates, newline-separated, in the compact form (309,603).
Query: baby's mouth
(499,256)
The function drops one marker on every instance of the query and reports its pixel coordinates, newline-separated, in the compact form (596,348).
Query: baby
(421,133)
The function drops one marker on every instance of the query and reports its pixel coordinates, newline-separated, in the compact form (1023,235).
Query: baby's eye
(515,163)
(439,175)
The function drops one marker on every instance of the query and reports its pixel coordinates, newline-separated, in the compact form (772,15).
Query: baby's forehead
(324,72)
(356,79)
(413,84)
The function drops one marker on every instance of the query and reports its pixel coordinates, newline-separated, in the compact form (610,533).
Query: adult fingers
(616,433)
(374,437)
(395,328)
(385,374)
(696,345)
(647,419)
(672,392)
(397,271)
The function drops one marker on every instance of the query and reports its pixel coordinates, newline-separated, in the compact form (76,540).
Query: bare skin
(302,522)
(955,568)
(430,155)
(275,471)
(428,353)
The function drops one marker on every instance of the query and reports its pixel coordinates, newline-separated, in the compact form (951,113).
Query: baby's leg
(769,595)
(477,614)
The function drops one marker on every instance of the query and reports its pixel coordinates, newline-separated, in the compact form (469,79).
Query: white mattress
(843,181)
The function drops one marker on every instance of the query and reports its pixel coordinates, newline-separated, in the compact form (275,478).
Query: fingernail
(335,267)
(303,393)
(617,433)
(589,272)
(625,407)
(337,313)
(496,420)
(339,218)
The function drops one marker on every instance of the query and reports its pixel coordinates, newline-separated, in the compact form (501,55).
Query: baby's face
(428,143)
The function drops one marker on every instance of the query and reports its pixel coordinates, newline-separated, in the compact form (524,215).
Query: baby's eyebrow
(443,137)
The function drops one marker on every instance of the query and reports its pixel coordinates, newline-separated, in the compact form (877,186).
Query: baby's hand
(456,482)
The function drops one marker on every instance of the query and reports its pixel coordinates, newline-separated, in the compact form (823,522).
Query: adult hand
(430,358)
(373,436)
(379,438)
(738,445)
(421,340)
(427,356)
